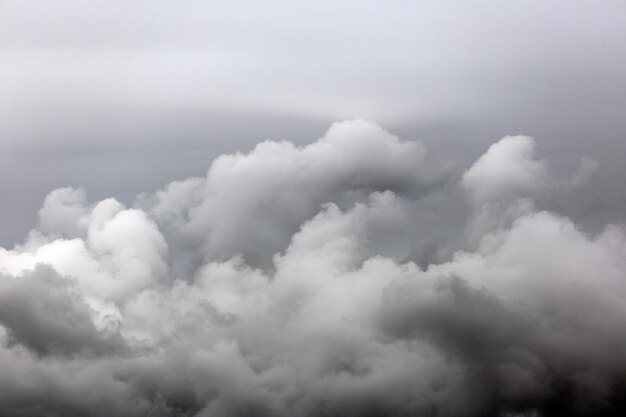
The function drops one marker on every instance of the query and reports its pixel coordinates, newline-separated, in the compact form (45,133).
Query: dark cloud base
(348,277)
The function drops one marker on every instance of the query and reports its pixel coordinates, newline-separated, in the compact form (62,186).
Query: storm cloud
(321,280)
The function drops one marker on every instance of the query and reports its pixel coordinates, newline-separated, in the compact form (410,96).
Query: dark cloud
(47,315)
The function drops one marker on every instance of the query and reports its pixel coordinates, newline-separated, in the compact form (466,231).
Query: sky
(122,98)
(313,208)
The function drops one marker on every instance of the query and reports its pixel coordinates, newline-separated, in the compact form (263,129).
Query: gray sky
(122,97)
(312,208)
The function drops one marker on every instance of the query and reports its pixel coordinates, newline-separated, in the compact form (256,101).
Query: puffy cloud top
(507,169)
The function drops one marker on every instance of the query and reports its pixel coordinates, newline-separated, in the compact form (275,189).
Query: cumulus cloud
(43,313)
(251,204)
(327,279)
(507,169)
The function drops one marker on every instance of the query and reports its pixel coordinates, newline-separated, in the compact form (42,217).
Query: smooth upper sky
(122,97)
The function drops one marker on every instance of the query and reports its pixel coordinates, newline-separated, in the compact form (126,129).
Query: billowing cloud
(328,279)
(251,205)
(508,168)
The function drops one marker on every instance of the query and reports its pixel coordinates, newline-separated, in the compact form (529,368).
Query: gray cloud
(349,276)
(45,314)
(251,205)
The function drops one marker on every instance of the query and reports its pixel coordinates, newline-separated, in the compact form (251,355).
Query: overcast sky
(122,96)
(312,208)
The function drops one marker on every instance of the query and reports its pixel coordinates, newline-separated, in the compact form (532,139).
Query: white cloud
(508,169)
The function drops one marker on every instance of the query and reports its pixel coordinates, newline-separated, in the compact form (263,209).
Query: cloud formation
(322,280)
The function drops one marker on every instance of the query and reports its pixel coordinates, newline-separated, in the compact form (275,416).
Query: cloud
(251,204)
(45,314)
(507,169)
(329,279)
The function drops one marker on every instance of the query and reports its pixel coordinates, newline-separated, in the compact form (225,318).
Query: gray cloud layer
(345,277)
